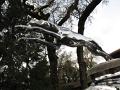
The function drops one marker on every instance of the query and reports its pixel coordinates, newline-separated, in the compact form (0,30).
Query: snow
(108,76)
(38,29)
(104,76)
(65,32)
(62,33)
(35,22)
(101,87)
(30,2)
(2,68)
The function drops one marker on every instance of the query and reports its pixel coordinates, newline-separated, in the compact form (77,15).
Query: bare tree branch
(38,12)
(85,15)
(49,3)
(38,40)
(67,37)
(69,11)
(39,30)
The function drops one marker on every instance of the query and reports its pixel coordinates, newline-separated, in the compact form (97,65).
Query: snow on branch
(64,36)
(38,29)
(38,40)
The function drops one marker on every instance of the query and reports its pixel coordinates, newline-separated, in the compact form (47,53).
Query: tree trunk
(82,68)
(81,62)
(81,24)
(53,63)
(53,67)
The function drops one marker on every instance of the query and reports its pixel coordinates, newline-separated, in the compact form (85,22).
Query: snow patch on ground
(101,87)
